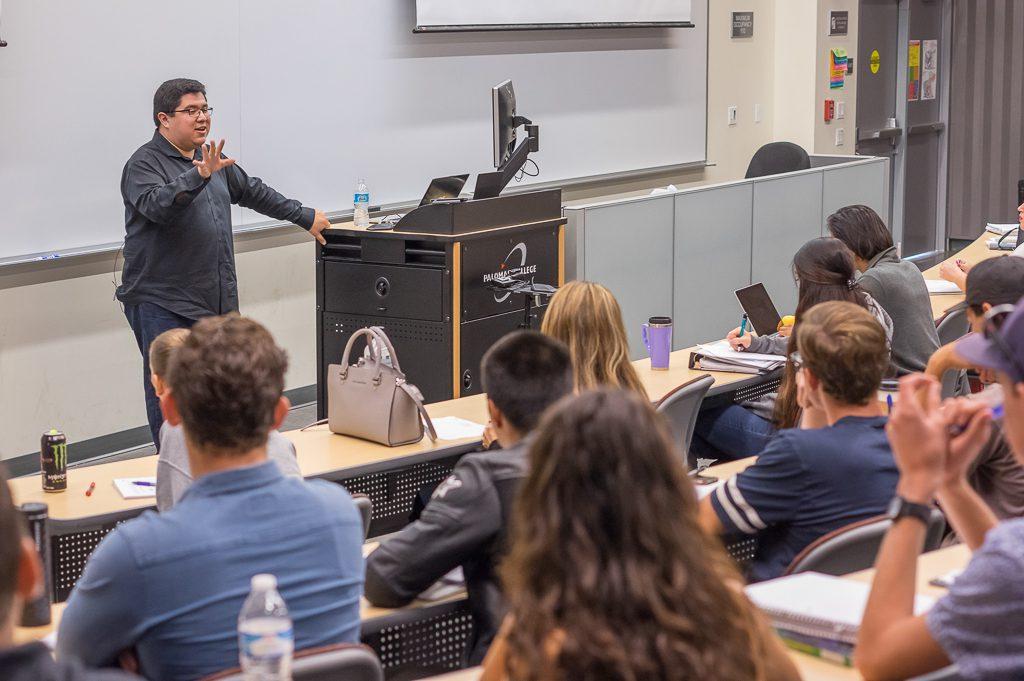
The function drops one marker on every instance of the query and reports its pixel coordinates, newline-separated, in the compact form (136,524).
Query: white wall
(68,359)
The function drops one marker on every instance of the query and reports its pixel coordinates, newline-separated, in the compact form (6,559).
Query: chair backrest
(854,547)
(946,674)
(954,383)
(681,407)
(952,326)
(776,158)
(344,661)
(365,506)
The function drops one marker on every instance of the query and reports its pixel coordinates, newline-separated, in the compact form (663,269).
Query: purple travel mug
(657,337)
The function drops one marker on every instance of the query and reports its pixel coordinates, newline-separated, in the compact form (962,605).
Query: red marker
(92,486)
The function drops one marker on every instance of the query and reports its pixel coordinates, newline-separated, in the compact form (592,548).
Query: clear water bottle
(361,205)
(265,638)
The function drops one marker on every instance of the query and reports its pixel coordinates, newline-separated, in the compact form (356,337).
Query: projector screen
(455,15)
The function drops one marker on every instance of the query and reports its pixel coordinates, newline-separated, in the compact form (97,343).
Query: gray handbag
(371,400)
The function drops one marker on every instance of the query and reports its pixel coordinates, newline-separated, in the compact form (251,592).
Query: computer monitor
(503,110)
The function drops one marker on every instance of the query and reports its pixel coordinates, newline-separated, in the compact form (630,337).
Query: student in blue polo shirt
(164,590)
(807,483)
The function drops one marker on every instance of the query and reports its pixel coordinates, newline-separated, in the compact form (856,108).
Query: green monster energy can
(53,459)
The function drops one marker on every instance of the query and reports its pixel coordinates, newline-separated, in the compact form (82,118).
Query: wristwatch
(901,508)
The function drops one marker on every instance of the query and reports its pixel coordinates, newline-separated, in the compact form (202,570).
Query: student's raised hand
(918,432)
(971,424)
(738,342)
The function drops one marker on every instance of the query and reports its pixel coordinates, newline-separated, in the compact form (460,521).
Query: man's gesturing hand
(320,223)
(212,160)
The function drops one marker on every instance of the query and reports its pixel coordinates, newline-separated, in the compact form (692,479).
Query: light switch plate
(840,137)
(840,110)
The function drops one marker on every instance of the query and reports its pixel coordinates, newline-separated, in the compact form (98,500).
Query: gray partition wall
(684,253)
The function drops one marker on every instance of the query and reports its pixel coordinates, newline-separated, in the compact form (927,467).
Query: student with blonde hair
(173,475)
(586,317)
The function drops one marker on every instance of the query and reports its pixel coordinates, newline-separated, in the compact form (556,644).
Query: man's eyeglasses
(994,319)
(194,111)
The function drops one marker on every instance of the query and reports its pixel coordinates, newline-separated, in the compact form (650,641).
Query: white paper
(942,286)
(454,428)
(129,490)
(452,583)
(1000,229)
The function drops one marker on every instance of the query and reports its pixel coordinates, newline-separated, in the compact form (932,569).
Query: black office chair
(681,407)
(947,674)
(365,506)
(348,661)
(952,326)
(776,158)
(855,546)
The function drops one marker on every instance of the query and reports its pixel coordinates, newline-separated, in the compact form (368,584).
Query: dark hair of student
(824,271)
(168,95)
(861,229)
(227,378)
(524,373)
(11,533)
(845,346)
(609,575)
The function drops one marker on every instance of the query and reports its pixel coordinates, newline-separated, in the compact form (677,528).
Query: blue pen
(888,401)
(743,325)
(143,483)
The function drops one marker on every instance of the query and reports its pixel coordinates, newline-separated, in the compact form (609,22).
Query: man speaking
(179,255)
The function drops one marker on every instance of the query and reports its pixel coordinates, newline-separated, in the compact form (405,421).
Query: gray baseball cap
(1001,351)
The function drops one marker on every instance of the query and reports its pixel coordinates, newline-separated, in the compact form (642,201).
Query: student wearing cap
(995,474)
(979,624)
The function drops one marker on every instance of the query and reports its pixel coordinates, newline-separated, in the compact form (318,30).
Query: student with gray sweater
(173,475)
(897,285)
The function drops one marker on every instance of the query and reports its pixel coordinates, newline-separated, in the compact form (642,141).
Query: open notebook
(721,357)
(818,606)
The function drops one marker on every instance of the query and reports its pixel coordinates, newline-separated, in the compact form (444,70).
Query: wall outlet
(757,113)
(732,113)
(840,137)
(840,110)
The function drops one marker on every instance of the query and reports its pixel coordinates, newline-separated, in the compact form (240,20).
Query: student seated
(809,482)
(995,474)
(172,471)
(979,624)
(956,271)
(21,580)
(586,317)
(464,522)
(824,271)
(609,575)
(168,587)
(896,284)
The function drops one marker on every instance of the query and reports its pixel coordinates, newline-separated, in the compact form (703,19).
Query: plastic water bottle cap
(53,431)
(264,582)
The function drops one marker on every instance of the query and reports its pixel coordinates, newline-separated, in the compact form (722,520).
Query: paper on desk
(129,490)
(451,583)
(1001,229)
(941,286)
(454,428)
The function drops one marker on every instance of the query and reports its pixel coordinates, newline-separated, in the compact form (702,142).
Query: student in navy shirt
(807,483)
(167,588)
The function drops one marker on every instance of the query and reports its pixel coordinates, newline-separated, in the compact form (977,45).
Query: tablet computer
(760,309)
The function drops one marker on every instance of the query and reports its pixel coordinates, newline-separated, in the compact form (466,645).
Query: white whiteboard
(312,95)
(475,13)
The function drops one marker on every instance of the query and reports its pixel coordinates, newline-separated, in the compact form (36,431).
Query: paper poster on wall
(837,68)
(914,71)
(929,68)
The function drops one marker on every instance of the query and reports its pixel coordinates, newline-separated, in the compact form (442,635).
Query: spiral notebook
(817,605)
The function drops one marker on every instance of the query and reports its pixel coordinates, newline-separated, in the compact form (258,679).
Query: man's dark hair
(524,373)
(227,379)
(169,95)
(11,532)
(861,229)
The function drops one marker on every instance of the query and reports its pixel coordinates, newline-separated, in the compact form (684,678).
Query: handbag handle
(417,398)
(372,332)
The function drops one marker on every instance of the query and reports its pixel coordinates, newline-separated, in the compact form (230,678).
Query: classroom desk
(972,254)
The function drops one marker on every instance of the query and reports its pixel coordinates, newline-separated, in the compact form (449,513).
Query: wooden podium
(425,283)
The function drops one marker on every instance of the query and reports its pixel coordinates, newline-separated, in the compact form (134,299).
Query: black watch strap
(901,508)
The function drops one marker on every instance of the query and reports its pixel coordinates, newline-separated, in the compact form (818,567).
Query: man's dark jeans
(149,320)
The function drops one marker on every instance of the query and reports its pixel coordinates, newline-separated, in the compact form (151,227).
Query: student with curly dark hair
(609,574)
